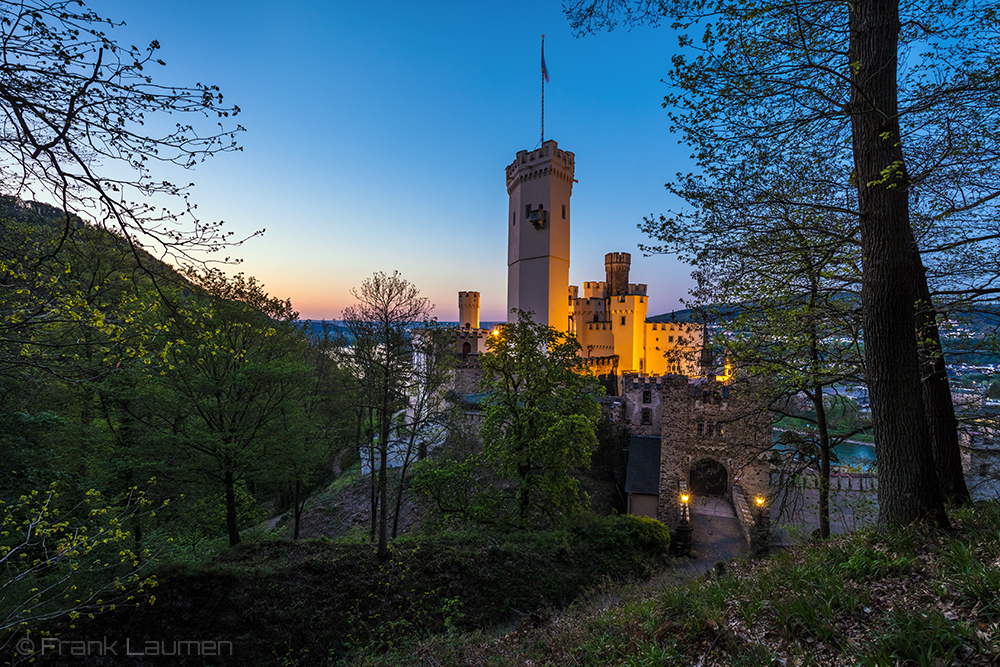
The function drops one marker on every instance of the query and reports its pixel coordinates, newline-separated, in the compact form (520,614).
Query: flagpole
(543,93)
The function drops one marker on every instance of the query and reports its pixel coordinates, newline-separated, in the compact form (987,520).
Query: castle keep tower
(539,184)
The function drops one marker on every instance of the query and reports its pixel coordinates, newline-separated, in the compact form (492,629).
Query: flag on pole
(545,71)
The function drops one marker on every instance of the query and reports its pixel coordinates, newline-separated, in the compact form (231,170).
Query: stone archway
(709,478)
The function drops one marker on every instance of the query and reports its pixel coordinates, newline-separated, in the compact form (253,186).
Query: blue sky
(378,133)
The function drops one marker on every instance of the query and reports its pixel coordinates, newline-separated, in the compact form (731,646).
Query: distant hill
(46,223)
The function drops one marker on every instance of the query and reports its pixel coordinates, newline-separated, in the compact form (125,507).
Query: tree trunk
(824,463)
(383,481)
(936,392)
(523,493)
(373,487)
(402,480)
(234,534)
(297,508)
(822,427)
(908,488)
(383,522)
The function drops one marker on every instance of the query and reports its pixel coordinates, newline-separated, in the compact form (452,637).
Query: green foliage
(69,559)
(461,489)
(233,382)
(926,639)
(539,416)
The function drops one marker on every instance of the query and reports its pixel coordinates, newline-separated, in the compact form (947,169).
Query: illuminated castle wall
(609,319)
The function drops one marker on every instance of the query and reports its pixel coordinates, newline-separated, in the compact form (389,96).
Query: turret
(468,310)
(616,265)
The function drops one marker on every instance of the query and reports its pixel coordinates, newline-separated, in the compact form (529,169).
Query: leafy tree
(77,109)
(235,379)
(302,464)
(845,85)
(790,282)
(540,415)
(60,559)
(381,353)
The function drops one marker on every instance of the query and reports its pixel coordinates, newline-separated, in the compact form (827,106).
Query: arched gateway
(711,437)
(708,477)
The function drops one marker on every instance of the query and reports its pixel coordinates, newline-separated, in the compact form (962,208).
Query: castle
(688,429)
(608,317)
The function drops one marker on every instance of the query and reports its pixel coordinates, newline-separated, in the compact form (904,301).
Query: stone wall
(705,421)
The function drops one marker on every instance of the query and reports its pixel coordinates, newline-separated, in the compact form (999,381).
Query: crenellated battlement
(641,380)
(617,258)
(545,161)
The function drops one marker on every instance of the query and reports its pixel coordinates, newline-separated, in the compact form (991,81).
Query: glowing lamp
(759,500)
(685,497)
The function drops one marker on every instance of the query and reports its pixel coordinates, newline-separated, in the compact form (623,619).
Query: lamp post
(683,534)
(762,525)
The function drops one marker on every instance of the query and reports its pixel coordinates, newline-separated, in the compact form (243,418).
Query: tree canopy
(540,414)
(868,104)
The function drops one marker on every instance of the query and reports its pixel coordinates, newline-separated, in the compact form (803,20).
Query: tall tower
(539,184)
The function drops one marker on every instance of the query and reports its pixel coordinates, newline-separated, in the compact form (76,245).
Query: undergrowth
(321,601)
(914,596)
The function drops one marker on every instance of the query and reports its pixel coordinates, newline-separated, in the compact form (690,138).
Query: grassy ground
(911,597)
(915,596)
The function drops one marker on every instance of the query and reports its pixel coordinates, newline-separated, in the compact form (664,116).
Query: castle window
(647,396)
(710,427)
(623,320)
(701,428)
(647,416)
(564,211)
(513,218)
(671,338)
(466,349)
(527,211)
(719,430)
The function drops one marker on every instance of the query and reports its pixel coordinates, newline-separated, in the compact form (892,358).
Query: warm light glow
(685,497)
(759,500)
(495,332)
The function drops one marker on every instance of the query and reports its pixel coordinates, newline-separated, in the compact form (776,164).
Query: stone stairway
(712,506)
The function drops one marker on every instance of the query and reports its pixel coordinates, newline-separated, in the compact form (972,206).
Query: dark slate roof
(643,474)
(715,314)
(683,316)
(472,399)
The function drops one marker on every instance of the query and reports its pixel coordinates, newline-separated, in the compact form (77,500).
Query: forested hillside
(144,412)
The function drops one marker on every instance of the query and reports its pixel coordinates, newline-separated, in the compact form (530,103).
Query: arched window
(466,349)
